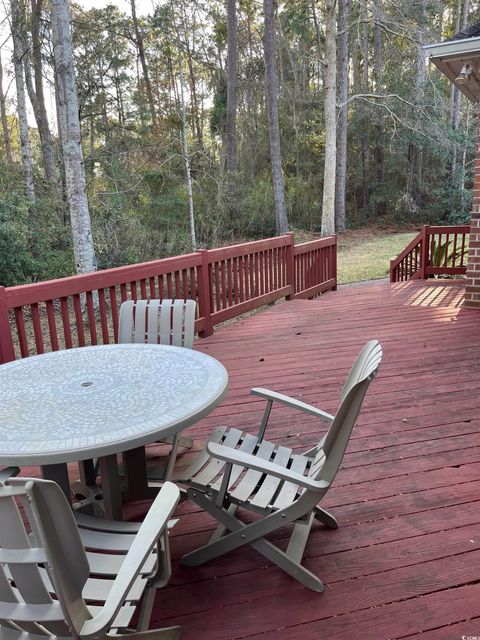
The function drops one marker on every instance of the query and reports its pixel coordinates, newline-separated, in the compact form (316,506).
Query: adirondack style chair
(47,560)
(238,469)
(160,322)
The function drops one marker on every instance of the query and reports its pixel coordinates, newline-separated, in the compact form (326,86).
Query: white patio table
(95,402)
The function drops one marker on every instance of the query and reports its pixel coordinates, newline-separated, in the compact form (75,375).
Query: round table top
(93,401)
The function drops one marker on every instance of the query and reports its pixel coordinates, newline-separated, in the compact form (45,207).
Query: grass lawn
(364,254)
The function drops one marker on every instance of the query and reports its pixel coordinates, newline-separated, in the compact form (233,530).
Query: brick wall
(472,292)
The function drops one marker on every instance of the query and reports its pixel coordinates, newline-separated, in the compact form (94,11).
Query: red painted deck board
(405,561)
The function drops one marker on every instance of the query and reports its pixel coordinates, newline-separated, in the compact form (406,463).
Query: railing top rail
(72,285)
(404,253)
(305,247)
(243,249)
(458,229)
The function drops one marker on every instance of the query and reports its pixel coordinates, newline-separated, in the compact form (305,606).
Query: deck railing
(439,250)
(227,282)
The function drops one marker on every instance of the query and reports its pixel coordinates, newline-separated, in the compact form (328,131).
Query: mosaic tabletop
(93,401)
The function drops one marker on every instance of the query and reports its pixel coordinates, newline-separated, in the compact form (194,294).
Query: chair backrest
(332,448)
(157,322)
(40,546)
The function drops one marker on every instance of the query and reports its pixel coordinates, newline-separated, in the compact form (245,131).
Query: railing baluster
(103,316)
(52,325)
(151,286)
(22,334)
(37,328)
(169,285)
(229,280)
(114,309)
(223,284)
(77,308)
(67,332)
(92,324)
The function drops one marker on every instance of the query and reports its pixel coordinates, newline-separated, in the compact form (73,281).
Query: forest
(129,136)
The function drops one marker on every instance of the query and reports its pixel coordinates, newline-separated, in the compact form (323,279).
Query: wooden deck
(405,561)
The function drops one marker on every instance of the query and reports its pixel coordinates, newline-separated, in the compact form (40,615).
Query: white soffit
(450,57)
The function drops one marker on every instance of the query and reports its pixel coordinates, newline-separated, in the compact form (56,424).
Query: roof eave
(449,58)
(453,48)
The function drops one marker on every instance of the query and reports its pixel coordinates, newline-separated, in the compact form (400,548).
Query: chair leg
(146,609)
(172,458)
(221,529)
(169,633)
(253,534)
(298,539)
(183,441)
(325,518)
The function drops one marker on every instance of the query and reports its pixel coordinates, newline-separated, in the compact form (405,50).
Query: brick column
(472,289)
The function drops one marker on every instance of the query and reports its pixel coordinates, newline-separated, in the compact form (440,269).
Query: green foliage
(16,263)
(407,164)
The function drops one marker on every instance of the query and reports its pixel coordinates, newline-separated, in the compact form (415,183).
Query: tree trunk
(186,160)
(3,113)
(37,98)
(18,53)
(365,87)
(272,105)
(83,249)
(342,118)
(143,62)
(461,23)
(377,69)
(231,133)
(328,206)
(318,41)
(416,151)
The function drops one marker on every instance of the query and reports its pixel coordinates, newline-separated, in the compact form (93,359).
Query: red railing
(439,250)
(313,274)
(227,282)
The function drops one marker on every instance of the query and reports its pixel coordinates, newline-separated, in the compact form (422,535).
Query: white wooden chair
(237,469)
(170,322)
(157,322)
(47,560)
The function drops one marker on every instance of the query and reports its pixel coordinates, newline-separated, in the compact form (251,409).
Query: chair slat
(214,466)
(250,479)
(200,461)
(264,496)
(289,490)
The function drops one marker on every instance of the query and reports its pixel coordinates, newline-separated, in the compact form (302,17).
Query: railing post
(7,349)
(393,271)
(204,294)
(334,263)
(290,263)
(424,255)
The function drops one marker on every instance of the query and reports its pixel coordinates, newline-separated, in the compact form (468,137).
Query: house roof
(456,54)
(469,32)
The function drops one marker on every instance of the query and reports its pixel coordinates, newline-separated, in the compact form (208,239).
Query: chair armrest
(291,402)
(150,531)
(236,457)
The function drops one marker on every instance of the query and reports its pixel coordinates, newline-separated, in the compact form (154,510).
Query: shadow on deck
(405,560)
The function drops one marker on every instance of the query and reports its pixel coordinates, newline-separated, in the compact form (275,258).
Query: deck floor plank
(405,560)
